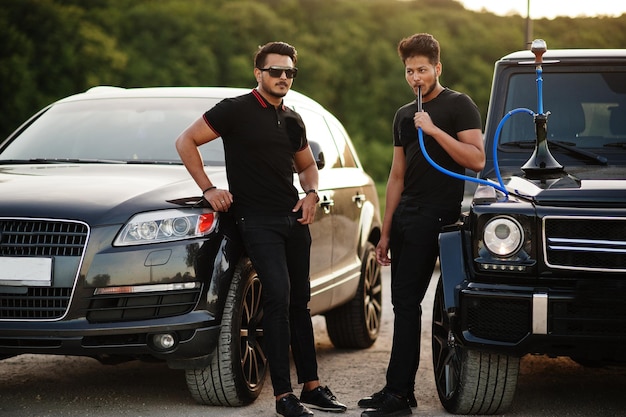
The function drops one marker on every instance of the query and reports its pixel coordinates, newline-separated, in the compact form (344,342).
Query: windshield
(587,109)
(113,129)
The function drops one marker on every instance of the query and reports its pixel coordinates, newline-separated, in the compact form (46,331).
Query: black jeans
(414,249)
(280,248)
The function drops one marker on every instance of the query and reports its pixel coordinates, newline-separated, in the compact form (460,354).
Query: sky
(549,8)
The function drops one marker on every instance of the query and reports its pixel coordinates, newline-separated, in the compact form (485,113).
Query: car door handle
(326,203)
(359,199)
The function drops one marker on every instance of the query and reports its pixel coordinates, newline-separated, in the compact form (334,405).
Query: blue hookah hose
(496,139)
(538,48)
(500,186)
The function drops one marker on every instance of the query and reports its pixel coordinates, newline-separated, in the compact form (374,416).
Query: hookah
(541,160)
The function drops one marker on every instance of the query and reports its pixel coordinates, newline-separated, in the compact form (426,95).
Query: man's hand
(220,200)
(308,204)
(382,252)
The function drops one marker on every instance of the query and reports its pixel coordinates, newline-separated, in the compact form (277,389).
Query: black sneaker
(390,406)
(375,400)
(290,406)
(321,398)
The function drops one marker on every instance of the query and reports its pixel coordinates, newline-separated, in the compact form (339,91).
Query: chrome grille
(585,243)
(39,238)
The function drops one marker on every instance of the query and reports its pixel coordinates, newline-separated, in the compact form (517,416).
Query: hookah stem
(539,72)
(419,98)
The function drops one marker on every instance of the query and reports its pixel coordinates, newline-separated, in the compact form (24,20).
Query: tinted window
(317,130)
(113,129)
(586,109)
(340,136)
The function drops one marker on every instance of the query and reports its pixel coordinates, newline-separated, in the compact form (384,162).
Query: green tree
(347,51)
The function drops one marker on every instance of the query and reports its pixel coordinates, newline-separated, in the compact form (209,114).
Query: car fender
(223,258)
(453,271)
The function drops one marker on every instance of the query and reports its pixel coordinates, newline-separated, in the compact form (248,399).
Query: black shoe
(375,400)
(390,406)
(411,399)
(321,398)
(290,406)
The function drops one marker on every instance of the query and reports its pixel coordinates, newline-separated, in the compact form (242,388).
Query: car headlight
(166,226)
(503,236)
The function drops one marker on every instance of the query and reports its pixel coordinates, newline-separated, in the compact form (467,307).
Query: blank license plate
(15,271)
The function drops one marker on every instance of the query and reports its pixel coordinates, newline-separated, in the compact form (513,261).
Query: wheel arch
(369,227)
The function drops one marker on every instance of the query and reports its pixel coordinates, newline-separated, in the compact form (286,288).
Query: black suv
(108,250)
(538,264)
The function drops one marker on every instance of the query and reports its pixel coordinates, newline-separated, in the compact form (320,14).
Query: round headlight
(503,236)
(181,226)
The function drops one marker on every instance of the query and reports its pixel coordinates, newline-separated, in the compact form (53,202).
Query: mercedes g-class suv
(538,264)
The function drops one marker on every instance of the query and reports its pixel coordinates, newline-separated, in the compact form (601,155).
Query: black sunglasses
(276,72)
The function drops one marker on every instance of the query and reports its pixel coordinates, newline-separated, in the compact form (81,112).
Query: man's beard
(430,89)
(279,94)
(274,91)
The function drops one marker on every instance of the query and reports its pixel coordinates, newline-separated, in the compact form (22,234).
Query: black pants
(279,248)
(414,249)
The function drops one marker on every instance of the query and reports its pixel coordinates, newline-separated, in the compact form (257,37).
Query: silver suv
(107,249)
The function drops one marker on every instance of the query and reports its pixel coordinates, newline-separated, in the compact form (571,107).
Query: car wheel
(238,369)
(469,381)
(356,324)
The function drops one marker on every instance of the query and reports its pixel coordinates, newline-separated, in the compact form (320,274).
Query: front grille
(26,237)
(141,306)
(36,303)
(585,243)
(501,319)
(39,238)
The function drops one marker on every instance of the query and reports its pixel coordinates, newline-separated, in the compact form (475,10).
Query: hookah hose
(500,186)
(538,48)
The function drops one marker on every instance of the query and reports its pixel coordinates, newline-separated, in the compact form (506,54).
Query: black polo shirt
(260,141)
(424,185)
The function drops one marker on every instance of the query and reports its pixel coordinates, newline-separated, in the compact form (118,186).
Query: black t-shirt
(424,185)
(260,141)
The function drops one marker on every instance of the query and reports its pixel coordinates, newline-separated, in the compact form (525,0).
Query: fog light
(164,341)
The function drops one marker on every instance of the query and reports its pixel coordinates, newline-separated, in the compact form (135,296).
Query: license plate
(19,272)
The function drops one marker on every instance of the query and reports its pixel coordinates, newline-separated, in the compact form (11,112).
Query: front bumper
(195,333)
(544,320)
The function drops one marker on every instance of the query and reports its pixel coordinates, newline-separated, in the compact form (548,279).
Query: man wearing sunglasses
(263,142)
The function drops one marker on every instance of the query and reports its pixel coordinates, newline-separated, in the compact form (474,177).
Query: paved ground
(50,386)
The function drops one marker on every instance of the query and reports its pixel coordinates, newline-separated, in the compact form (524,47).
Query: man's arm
(187,143)
(395,186)
(305,166)
(468,151)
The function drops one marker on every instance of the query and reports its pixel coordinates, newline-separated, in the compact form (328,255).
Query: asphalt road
(51,386)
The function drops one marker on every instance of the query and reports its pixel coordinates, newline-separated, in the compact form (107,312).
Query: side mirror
(318,154)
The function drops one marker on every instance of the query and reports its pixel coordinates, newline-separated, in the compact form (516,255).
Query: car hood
(98,194)
(601,188)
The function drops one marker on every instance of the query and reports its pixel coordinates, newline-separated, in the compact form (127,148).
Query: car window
(345,152)
(317,130)
(587,110)
(129,129)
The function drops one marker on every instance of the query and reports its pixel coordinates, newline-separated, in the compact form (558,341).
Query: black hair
(281,48)
(423,44)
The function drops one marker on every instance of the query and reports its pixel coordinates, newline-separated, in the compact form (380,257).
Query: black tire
(469,381)
(238,369)
(356,324)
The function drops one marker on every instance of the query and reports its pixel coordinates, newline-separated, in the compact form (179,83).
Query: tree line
(347,51)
